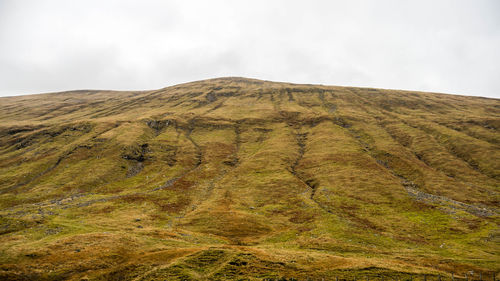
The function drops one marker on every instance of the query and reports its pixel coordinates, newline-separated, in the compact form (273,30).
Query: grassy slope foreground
(237,178)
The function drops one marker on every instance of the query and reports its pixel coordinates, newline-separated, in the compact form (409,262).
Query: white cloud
(443,46)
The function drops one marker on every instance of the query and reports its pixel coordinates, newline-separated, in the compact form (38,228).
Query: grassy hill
(236,178)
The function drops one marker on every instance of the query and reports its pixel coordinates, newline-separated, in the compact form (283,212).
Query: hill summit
(236,178)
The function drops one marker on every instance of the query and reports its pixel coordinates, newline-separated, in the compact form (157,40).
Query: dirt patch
(134,169)
(237,227)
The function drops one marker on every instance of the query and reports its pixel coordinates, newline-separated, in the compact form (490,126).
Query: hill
(235,178)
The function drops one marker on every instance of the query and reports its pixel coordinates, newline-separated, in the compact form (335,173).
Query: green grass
(266,180)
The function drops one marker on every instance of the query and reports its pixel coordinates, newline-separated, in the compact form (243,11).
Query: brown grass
(235,178)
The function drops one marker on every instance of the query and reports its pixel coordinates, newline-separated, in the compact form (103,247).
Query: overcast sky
(442,46)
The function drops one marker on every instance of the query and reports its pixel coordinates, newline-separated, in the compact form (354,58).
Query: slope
(240,178)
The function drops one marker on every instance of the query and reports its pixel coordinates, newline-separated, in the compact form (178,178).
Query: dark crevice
(167,184)
(330,107)
(263,134)
(157,125)
(419,156)
(429,132)
(52,167)
(136,155)
(219,105)
(451,149)
(413,189)
(312,183)
(233,163)
(259,95)
(198,155)
(237,143)
(301,143)
(56,164)
(198,150)
(493,142)
(321,96)
(407,145)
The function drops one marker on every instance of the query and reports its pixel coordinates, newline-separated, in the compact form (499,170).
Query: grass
(234,178)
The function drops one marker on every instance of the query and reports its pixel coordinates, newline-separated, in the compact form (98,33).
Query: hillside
(234,178)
